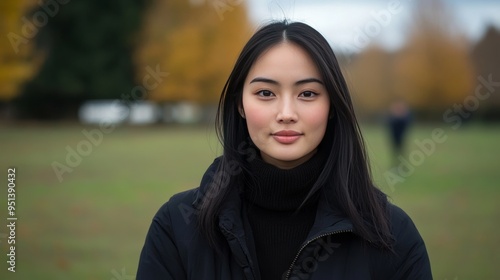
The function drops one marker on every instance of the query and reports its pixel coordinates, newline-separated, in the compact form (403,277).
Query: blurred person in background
(398,120)
(291,197)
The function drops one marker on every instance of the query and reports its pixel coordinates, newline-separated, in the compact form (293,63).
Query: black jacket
(175,249)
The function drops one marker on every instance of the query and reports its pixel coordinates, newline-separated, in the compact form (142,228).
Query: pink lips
(286,136)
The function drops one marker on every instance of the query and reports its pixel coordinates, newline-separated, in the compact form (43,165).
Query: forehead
(284,61)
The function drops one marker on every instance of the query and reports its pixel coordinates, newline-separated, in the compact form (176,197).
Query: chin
(288,157)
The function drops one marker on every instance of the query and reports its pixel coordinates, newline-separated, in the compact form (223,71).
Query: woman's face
(285,105)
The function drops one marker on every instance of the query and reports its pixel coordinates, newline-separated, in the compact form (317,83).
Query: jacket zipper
(309,242)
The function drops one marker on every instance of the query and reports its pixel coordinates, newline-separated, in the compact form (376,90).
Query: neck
(279,189)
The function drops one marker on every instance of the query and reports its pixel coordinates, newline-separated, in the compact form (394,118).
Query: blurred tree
(16,65)
(487,62)
(433,70)
(88,47)
(196,42)
(372,87)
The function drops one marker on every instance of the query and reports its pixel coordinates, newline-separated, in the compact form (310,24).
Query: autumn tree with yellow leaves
(196,42)
(370,78)
(433,70)
(17,61)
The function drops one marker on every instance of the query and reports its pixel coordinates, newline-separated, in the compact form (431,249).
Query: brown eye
(308,94)
(265,93)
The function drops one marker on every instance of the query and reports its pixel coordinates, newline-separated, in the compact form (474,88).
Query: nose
(287,112)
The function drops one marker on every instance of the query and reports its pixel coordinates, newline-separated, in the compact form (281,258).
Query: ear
(241,111)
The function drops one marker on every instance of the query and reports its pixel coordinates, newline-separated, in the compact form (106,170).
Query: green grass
(92,224)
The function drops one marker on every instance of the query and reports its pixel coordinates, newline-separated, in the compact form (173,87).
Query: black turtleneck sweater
(273,198)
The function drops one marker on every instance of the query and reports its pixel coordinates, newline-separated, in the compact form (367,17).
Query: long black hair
(346,175)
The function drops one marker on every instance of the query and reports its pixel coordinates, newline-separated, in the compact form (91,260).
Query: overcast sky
(350,25)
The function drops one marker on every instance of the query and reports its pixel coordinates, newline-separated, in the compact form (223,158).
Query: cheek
(318,115)
(317,120)
(256,118)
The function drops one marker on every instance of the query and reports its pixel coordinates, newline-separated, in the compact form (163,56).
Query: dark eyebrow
(264,80)
(269,81)
(310,80)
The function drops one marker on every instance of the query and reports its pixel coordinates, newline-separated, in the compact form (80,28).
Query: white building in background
(103,111)
(186,113)
(143,112)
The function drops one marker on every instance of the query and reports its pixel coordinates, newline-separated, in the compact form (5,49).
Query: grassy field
(92,223)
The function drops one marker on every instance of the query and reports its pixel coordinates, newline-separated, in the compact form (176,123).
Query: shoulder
(178,212)
(409,259)
(182,208)
(403,228)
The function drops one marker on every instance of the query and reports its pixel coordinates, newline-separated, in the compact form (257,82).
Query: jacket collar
(328,218)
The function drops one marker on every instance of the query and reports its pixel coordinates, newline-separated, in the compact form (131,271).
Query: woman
(291,197)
